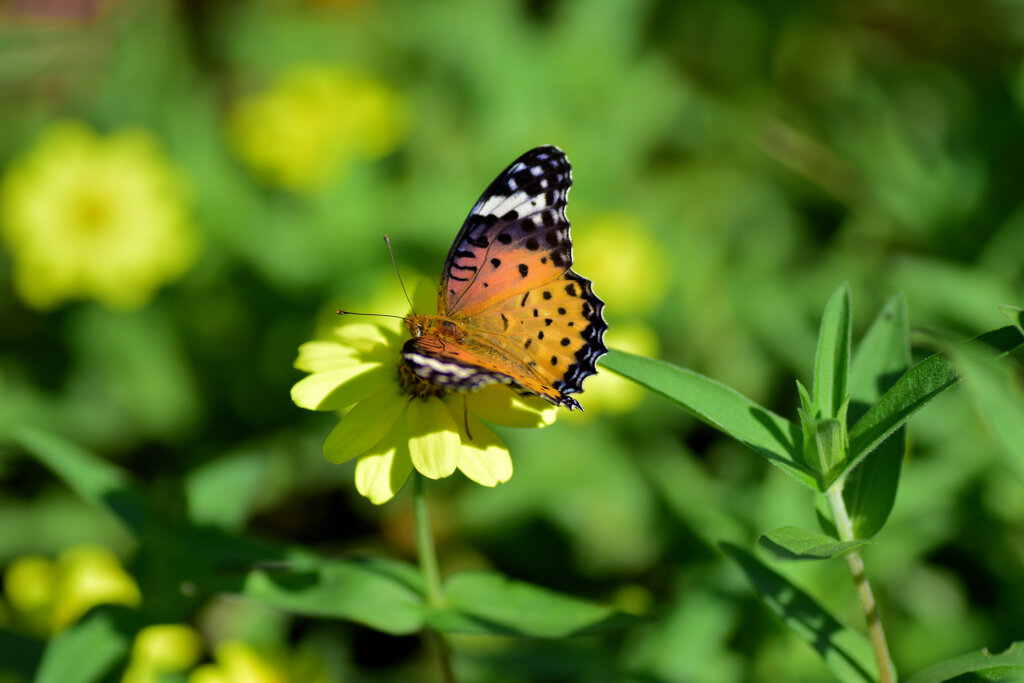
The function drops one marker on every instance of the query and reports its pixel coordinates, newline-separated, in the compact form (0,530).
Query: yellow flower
(160,649)
(313,122)
(358,370)
(88,576)
(634,276)
(91,217)
(238,662)
(51,595)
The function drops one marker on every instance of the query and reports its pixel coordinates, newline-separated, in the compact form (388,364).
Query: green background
(770,151)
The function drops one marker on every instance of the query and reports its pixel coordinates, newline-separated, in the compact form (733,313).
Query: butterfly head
(434,325)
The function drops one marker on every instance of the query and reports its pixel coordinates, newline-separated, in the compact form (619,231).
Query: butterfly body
(510,308)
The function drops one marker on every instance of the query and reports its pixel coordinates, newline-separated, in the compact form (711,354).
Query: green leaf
(994,388)
(881,357)
(976,666)
(1016,316)
(791,543)
(725,409)
(847,653)
(97,482)
(832,358)
(488,603)
(824,443)
(916,387)
(89,650)
(384,594)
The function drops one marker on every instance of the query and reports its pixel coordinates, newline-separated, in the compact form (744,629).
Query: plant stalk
(427,555)
(886,673)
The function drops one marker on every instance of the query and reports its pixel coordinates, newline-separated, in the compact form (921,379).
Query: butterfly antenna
(378,315)
(394,262)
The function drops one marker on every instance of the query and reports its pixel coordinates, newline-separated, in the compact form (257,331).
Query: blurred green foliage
(769,150)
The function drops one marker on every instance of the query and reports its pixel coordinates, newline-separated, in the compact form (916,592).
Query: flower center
(91,213)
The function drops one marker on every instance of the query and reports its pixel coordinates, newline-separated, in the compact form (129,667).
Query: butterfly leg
(465,416)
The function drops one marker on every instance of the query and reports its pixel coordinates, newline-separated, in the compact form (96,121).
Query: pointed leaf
(89,650)
(383,594)
(847,653)
(791,543)
(915,388)
(725,409)
(881,357)
(1016,316)
(995,389)
(976,666)
(832,358)
(488,603)
(97,482)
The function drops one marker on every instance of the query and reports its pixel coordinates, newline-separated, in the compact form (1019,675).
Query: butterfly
(510,309)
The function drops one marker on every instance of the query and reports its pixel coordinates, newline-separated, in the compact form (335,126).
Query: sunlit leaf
(791,543)
(95,481)
(912,391)
(847,653)
(725,409)
(89,650)
(488,603)
(832,358)
(977,666)
(383,594)
(880,358)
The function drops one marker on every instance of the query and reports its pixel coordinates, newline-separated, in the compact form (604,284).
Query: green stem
(886,673)
(431,574)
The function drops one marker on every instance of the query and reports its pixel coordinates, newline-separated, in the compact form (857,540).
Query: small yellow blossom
(392,432)
(313,122)
(90,576)
(85,216)
(238,662)
(634,276)
(160,649)
(51,595)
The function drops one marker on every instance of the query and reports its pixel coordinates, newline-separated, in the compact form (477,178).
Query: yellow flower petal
(336,389)
(382,473)
(365,424)
(501,405)
(433,437)
(167,647)
(208,673)
(90,576)
(320,356)
(362,336)
(484,458)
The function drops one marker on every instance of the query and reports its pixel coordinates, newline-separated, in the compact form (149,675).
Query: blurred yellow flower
(160,649)
(313,122)
(393,426)
(238,662)
(29,584)
(86,216)
(634,276)
(51,595)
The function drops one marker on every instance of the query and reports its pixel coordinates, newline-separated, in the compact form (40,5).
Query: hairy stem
(431,575)
(886,673)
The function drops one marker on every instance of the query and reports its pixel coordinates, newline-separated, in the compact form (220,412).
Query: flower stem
(886,673)
(431,575)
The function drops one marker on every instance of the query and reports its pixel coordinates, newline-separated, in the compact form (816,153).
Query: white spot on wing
(495,204)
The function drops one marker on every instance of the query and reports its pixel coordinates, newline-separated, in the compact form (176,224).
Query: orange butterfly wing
(527,317)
